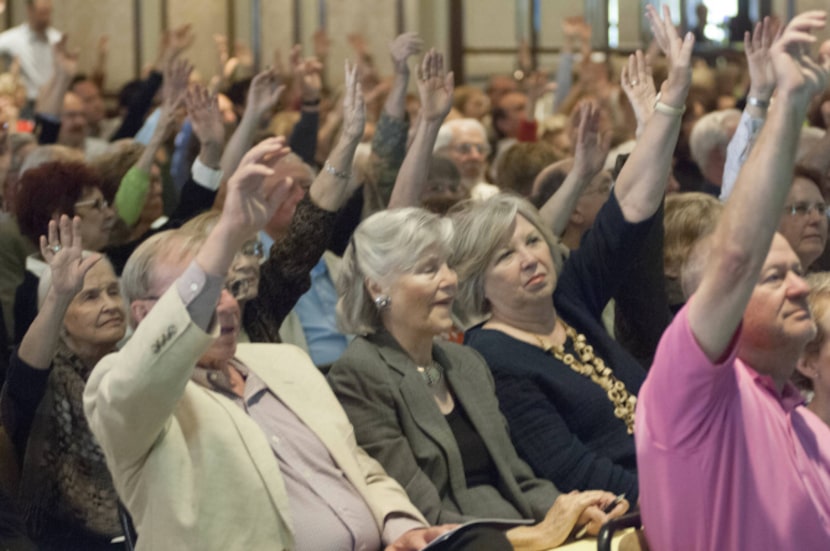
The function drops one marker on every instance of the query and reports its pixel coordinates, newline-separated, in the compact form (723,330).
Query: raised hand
(181,38)
(266,88)
(795,71)
(66,60)
(205,116)
(321,44)
(402,48)
(354,107)
(63,251)
(176,80)
(435,87)
(253,196)
(592,146)
(679,53)
(756,48)
(638,84)
(307,74)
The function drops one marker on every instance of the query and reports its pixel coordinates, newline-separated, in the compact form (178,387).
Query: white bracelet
(761,104)
(668,109)
(328,167)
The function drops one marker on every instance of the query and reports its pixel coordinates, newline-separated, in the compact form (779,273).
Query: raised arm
(49,104)
(27,377)
(401,49)
(131,395)
(761,86)
(638,84)
(263,94)
(640,186)
(62,251)
(132,192)
(749,220)
(307,76)
(590,154)
(435,87)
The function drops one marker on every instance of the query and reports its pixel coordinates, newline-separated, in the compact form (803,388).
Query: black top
(562,423)
(478,465)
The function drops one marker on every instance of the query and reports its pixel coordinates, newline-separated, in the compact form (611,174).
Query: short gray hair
(481,228)
(710,133)
(447,132)
(137,277)
(383,246)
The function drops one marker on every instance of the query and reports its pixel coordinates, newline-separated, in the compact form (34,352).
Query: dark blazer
(398,422)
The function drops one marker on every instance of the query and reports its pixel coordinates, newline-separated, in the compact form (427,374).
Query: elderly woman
(813,374)
(426,408)
(567,389)
(66,492)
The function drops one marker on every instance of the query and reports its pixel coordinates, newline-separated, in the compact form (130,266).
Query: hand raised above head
(402,48)
(354,106)
(266,89)
(679,54)
(62,249)
(252,196)
(435,87)
(176,80)
(203,110)
(592,145)
(756,48)
(638,84)
(796,73)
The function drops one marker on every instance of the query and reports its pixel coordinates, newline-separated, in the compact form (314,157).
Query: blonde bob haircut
(687,218)
(384,246)
(481,229)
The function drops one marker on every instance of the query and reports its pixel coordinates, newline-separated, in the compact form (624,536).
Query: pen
(608,508)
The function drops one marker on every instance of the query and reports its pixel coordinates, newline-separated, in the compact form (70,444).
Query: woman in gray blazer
(426,407)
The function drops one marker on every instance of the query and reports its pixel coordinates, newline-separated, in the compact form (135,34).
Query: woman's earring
(382,301)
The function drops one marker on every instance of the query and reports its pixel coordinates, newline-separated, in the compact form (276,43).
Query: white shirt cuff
(206,176)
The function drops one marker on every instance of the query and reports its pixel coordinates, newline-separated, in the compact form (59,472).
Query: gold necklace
(592,366)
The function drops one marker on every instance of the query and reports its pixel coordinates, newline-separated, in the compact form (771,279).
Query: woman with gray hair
(566,387)
(425,407)
(66,492)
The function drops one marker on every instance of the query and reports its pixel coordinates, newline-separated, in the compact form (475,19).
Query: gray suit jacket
(398,422)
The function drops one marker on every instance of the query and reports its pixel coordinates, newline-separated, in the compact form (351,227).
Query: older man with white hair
(197,431)
(708,141)
(464,141)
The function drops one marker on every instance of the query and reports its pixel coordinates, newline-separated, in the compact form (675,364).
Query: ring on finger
(55,248)
(635,82)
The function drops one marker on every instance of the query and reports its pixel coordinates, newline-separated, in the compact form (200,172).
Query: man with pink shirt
(728,456)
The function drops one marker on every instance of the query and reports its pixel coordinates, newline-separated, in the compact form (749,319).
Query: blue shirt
(316,310)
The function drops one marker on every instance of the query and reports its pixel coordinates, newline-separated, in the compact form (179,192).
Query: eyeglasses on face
(253,248)
(804,208)
(98,203)
(466,148)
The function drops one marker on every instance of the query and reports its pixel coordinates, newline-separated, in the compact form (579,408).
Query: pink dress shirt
(725,462)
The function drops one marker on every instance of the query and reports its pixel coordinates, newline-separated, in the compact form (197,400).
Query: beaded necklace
(592,366)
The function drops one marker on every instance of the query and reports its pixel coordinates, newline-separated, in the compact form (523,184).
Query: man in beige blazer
(195,469)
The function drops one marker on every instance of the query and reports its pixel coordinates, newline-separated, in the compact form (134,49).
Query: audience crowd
(267,311)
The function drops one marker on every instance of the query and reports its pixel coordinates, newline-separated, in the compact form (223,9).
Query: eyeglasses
(239,288)
(804,209)
(253,248)
(467,148)
(98,204)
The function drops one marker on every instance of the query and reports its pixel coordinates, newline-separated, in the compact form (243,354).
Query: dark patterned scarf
(64,480)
